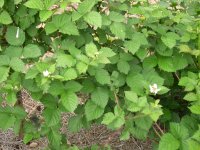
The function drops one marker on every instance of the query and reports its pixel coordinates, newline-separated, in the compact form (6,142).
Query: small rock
(33,145)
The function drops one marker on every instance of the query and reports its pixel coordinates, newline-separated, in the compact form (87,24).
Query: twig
(159,128)
(177,75)
(116,99)
(156,132)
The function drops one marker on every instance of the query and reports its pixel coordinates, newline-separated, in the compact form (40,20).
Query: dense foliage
(138,62)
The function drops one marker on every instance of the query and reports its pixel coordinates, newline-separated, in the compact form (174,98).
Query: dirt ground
(97,134)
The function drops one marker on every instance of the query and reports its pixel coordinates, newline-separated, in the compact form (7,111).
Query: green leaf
(102,76)
(195,109)
(191,97)
(4,73)
(64,60)
(5,18)
(118,29)
(28,137)
(123,67)
(70,74)
(83,8)
(69,28)
(166,64)
(136,82)
(11,98)
(50,28)
(106,52)
(93,111)
(4,60)
(169,39)
(93,18)
(114,121)
(11,36)
(116,17)
(168,142)
(55,137)
(7,121)
(17,64)
(52,116)
(150,62)
(1,3)
(13,51)
(81,67)
(45,14)
(179,131)
(73,86)
(193,145)
(35,4)
(69,100)
(132,46)
(75,123)
(32,73)
(100,97)
(31,51)
(91,50)
(131,96)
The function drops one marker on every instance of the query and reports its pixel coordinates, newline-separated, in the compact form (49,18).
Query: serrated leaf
(27,138)
(4,60)
(31,51)
(179,131)
(102,76)
(4,73)
(81,67)
(195,109)
(91,50)
(55,137)
(8,121)
(17,64)
(114,121)
(116,17)
(11,98)
(73,86)
(50,28)
(75,123)
(169,39)
(13,51)
(93,111)
(32,73)
(83,8)
(150,62)
(132,46)
(69,101)
(5,18)
(123,67)
(11,36)
(70,74)
(35,4)
(52,116)
(168,142)
(191,97)
(64,60)
(70,28)
(118,29)
(166,64)
(106,52)
(93,18)
(100,97)
(45,14)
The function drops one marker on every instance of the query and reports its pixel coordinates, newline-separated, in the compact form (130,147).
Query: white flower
(17,34)
(154,88)
(46,73)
